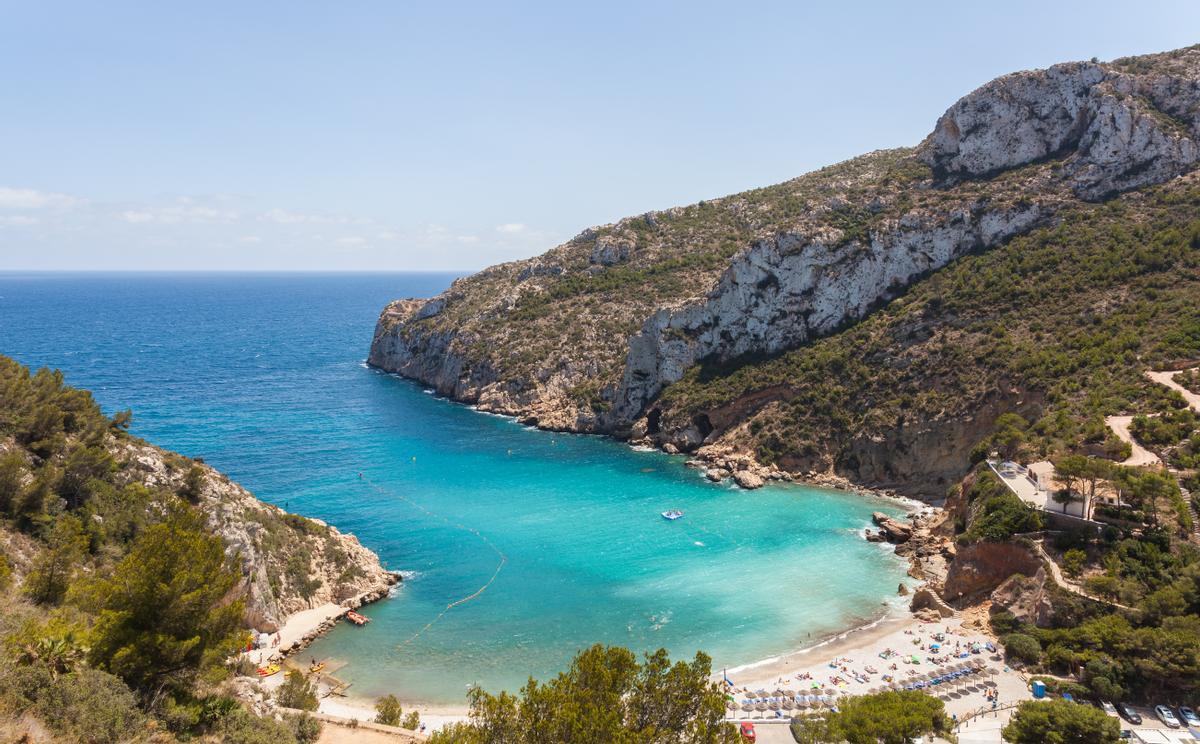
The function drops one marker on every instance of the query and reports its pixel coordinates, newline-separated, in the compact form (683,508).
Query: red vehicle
(747,731)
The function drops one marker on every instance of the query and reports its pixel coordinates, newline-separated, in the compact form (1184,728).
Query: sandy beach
(296,629)
(853,662)
(894,649)
(433,716)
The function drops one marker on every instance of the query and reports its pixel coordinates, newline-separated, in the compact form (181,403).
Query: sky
(392,135)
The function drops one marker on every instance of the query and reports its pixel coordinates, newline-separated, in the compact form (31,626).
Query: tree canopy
(606,695)
(164,612)
(1061,722)
(893,717)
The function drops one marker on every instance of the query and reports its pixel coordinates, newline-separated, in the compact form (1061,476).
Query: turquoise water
(262,375)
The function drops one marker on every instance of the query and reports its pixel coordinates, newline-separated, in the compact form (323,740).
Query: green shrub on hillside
(1061,722)
(1023,647)
(90,706)
(297,692)
(999,514)
(163,614)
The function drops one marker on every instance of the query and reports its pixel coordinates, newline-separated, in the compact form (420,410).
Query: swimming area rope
(474,595)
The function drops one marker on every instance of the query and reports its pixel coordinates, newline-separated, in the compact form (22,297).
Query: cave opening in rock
(654,421)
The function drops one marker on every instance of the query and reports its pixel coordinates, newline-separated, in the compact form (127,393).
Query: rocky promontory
(597,334)
(289,563)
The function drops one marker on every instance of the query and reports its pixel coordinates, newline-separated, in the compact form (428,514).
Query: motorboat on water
(672,514)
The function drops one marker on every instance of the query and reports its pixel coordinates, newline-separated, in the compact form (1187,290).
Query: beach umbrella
(761,707)
(787,704)
(789,693)
(747,706)
(778,692)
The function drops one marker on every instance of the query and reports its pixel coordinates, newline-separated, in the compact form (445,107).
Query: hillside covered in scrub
(131,575)
(872,319)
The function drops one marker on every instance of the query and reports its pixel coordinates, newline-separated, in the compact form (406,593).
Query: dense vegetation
(1060,322)
(1140,638)
(894,717)
(605,696)
(120,608)
(1061,722)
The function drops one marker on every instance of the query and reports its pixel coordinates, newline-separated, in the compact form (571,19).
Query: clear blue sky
(404,135)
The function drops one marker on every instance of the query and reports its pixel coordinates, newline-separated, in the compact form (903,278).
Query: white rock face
(1014,120)
(1114,130)
(783,292)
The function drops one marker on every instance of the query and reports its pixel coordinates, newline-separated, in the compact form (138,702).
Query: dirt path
(1057,574)
(1168,379)
(1140,455)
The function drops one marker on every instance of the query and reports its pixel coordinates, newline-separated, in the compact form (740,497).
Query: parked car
(1166,716)
(747,731)
(1129,714)
(1189,716)
(1108,707)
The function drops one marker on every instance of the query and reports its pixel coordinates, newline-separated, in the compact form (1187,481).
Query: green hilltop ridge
(871,319)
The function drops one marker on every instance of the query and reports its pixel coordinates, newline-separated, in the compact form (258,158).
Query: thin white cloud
(511,228)
(17,220)
(351,241)
(251,239)
(174,215)
(468,239)
(288,217)
(14,198)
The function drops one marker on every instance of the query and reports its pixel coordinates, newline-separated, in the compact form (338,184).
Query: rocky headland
(648,329)
(289,563)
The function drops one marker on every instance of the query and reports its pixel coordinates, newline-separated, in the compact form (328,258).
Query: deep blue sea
(262,375)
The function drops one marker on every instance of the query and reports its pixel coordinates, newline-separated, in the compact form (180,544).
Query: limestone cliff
(589,335)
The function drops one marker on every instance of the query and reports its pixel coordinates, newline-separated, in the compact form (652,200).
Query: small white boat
(672,514)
